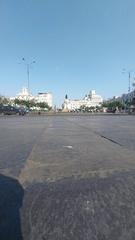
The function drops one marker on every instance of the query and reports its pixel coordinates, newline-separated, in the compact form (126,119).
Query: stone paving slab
(70,150)
(67,178)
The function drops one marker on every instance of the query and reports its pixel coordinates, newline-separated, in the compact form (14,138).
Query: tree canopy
(113,105)
(31,103)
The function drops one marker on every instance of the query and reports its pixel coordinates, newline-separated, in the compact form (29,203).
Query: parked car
(10,110)
(22,111)
(111,110)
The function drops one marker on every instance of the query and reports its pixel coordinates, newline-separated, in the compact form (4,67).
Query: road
(67,177)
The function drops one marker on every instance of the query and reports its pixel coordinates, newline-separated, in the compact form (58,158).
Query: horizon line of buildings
(90,100)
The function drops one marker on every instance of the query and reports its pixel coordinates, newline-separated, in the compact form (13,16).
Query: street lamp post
(129,82)
(129,78)
(28,65)
(128,101)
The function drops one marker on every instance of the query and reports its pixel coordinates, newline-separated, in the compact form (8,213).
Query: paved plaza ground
(67,177)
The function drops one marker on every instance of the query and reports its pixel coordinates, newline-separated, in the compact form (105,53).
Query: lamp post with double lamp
(28,65)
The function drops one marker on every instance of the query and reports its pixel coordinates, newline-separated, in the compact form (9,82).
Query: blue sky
(78,45)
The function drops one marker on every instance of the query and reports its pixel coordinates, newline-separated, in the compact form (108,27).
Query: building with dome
(40,97)
(90,100)
(24,95)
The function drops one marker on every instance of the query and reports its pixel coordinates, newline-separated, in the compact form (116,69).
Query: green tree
(43,105)
(32,103)
(113,105)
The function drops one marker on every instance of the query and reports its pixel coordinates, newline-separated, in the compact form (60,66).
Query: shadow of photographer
(11,196)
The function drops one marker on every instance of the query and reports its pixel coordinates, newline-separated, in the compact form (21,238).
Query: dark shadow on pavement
(11,196)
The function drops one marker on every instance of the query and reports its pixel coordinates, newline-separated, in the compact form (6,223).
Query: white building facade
(41,97)
(24,95)
(90,100)
(45,97)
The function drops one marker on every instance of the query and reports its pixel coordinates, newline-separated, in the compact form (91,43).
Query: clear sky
(78,45)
